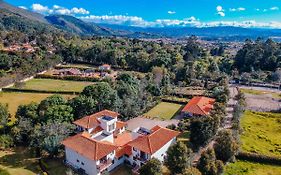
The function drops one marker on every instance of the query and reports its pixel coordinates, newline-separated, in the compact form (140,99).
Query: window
(111,127)
(82,163)
(77,160)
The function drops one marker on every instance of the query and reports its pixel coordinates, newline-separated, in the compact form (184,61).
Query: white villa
(104,144)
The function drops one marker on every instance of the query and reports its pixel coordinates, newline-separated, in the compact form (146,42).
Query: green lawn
(14,99)
(19,161)
(261,133)
(259,92)
(249,168)
(164,110)
(122,170)
(56,85)
(55,166)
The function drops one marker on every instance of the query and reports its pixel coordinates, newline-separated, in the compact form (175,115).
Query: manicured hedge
(39,91)
(73,78)
(259,158)
(181,101)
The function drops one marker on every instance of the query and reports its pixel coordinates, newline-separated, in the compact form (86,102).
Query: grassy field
(19,161)
(260,133)
(164,110)
(259,92)
(249,168)
(56,85)
(14,99)
(55,166)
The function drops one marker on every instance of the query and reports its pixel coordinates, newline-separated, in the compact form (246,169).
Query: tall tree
(4,116)
(225,146)
(152,167)
(208,165)
(178,158)
(105,96)
(202,130)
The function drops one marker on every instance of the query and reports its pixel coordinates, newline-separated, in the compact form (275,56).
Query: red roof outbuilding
(199,105)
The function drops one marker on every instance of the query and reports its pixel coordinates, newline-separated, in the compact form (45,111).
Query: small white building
(105,67)
(104,144)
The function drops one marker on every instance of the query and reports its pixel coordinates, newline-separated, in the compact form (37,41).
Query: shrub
(6,141)
(74,78)
(259,158)
(4,172)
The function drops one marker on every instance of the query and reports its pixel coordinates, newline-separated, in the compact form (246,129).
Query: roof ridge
(96,153)
(88,124)
(149,144)
(200,109)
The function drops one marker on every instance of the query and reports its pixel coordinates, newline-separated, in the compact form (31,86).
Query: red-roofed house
(105,67)
(103,144)
(198,106)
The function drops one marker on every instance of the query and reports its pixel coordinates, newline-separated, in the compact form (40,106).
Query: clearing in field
(14,99)
(56,85)
(260,92)
(19,161)
(249,168)
(260,133)
(164,110)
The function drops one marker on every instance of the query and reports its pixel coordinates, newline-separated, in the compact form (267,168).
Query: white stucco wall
(116,163)
(89,165)
(161,153)
(105,124)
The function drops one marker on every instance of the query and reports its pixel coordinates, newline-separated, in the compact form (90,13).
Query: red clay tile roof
(120,124)
(122,141)
(105,65)
(88,147)
(154,141)
(97,129)
(199,105)
(91,121)
(123,150)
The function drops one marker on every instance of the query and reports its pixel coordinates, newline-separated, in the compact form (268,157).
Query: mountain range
(14,18)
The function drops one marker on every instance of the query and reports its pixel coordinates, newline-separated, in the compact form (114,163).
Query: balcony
(104,164)
(142,159)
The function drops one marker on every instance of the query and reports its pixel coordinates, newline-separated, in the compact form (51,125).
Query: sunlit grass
(261,133)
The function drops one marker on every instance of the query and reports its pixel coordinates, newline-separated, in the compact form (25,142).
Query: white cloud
(274,8)
(59,10)
(220,11)
(219,8)
(82,11)
(140,22)
(40,8)
(171,12)
(187,22)
(237,9)
(221,14)
(23,7)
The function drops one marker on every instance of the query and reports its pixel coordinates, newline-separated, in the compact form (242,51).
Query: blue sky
(159,13)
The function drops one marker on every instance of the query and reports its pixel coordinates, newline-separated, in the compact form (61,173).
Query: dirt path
(226,125)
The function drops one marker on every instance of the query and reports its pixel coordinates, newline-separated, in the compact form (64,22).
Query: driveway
(148,123)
